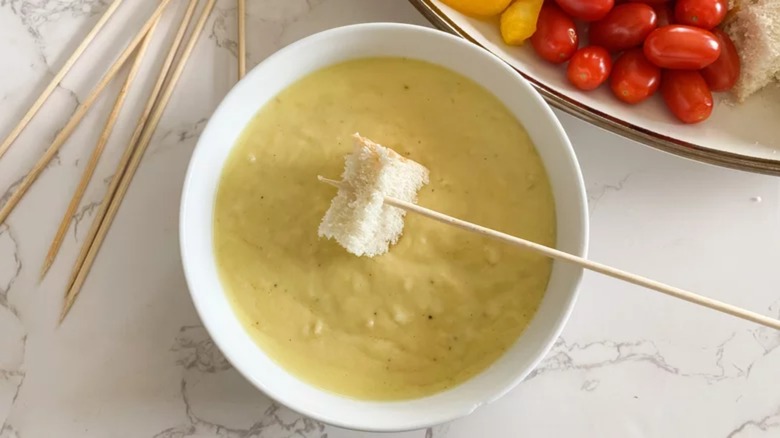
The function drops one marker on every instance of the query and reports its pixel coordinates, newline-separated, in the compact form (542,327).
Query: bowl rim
(656,140)
(562,314)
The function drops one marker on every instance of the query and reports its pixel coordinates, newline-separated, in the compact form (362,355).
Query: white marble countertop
(132,359)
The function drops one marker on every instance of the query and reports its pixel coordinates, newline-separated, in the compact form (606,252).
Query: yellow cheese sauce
(443,304)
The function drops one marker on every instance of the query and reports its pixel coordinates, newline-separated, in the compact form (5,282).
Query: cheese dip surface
(443,304)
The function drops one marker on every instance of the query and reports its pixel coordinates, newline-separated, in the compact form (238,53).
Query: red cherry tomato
(556,37)
(722,74)
(665,13)
(625,26)
(705,14)
(633,77)
(589,67)
(586,10)
(651,2)
(687,95)
(681,47)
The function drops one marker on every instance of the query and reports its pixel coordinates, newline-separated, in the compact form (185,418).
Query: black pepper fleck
(430,316)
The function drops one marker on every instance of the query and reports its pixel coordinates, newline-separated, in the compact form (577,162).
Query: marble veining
(133,360)
(198,354)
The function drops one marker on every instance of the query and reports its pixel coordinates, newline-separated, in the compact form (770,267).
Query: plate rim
(612,124)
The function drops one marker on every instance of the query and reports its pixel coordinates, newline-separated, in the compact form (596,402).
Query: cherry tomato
(651,2)
(586,10)
(665,13)
(722,74)
(589,67)
(556,37)
(687,95)
(625,26)
(705,14)
(681,47)
(633,77)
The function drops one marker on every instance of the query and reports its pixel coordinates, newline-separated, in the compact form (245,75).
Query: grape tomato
(555,39)
(589,67)
(681,47)
(687,95)
(633,77)
(625,26)
(722,74)
(586,10)
(705,14)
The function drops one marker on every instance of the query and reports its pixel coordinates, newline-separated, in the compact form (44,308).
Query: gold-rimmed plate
(744,136)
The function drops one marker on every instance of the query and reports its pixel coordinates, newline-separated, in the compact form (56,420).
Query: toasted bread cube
(357,218)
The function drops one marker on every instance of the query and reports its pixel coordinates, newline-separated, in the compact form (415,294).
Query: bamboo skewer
(128,153)
(241,38)
(582,262)
(140,149)
(97,152)
(58,77)
(79,114)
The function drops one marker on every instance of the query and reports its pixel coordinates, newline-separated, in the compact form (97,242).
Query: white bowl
(263,83)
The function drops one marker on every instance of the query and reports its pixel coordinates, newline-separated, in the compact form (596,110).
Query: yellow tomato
(478,8)
(518,22)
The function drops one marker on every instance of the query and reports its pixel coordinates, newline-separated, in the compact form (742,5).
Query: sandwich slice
(754,26)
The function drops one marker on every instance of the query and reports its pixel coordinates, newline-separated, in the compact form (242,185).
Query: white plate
(742,137)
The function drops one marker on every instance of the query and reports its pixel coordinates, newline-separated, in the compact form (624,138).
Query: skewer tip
(332,182)
(44,270)
(65,309)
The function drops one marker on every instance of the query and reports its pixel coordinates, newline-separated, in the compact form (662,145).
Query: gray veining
(133,360)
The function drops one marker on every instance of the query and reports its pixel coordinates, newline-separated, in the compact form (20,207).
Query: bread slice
(357,218)
(754,26)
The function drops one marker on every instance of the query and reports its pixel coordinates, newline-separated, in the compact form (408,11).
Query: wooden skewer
(241,38)
(89,170)
(130,147)
(585,263)
(135,161)
(79,114)
(55,81)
